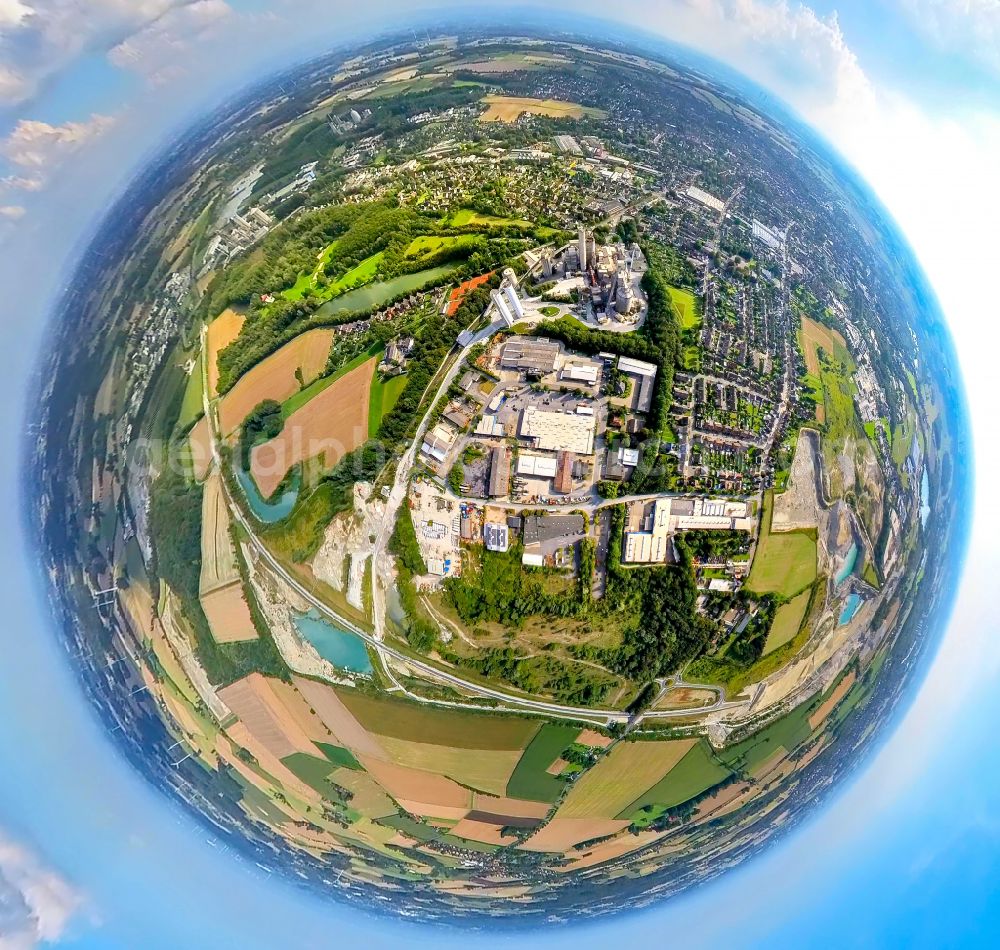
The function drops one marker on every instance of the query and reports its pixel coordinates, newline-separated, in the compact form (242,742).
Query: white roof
(636,367)
(558,431)
(586,373)
(533,560)
(540,466)
(629,457)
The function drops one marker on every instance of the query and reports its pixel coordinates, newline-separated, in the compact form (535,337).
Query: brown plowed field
(338,718)
(270,723)
(330,425)
(274,378)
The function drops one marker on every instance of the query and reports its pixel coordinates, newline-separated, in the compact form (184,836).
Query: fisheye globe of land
(554,444)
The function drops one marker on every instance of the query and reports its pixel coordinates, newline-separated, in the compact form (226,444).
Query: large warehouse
(558,431)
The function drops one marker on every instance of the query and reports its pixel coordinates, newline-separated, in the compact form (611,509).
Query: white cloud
(40,147)
(12,13)
(159,49)
(39,38)
(968,27)
(12,212)
(36,904)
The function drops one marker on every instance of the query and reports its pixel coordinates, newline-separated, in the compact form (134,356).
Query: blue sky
(907,90)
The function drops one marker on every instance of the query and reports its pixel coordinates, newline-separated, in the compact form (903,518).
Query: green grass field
(785,562)
(383,398)
(356,276)
(314,389)
(406,720)
(529,779)
(787,733)
(465,217)
(787,621)
(339,755)
(193,407)
(687,306)
(432,243)
(314,771)
(697,772)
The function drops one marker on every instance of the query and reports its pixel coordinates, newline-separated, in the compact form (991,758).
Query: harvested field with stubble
(275,377)
(612,848)
(221,332)
(221,590)
(329,426)
(816,336)
(421,793)
(624,774)
(486,769)
(266,717)
(338,718)
(560,834)
(510,108)
(200,442)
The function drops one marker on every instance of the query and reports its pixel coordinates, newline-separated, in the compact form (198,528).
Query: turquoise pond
(374,295)
(849,564)
(851,606)
(268,512)
(343,649)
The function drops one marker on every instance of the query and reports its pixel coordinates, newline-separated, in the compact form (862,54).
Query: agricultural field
(617,779)
(200,449)
(221,332)
(531,779)
(787,622)
(221,587)
(417,723)
(328,427)
(510,108)
(784,562)
(832,700)
(695,773)
(561,834)
(510,63)
(278,377)
(310,392)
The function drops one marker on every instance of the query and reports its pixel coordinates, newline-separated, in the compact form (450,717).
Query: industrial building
(437,442)
(530,355)
(651,545)
(643,377)
(490,427)
(499,472)
(650,525)
(588,373)
(564,473)
(496,537)
(536,466)
(706,199)
(558,431)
